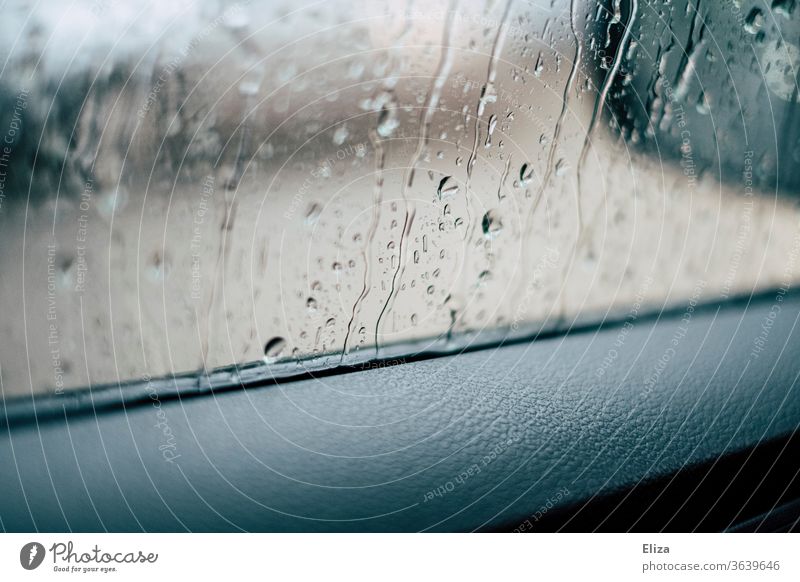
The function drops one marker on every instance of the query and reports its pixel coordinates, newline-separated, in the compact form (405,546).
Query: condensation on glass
(190,185)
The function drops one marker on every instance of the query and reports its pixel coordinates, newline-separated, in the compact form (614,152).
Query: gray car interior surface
(690,427)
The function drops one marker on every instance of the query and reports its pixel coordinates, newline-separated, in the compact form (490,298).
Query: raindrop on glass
(313,212)
(754,21)
(447,188)
(525,175)
(491,224)
(340,135)
(274,349)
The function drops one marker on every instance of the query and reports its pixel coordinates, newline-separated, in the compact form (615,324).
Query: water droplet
(783,8)
(447,188)
(249,88)
(311,304)
(703,107)
(387,122)
(754,21)
(266,151)
(492,126)
(431,289)
(340,135)
(525,175)
(492,225)
(159,267)
(537,70)
(488,95)
(274,349)
(356,70)
(562,167)
(313,212)
(65,271)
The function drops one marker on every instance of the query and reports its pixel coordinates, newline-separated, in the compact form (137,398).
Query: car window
(214,184)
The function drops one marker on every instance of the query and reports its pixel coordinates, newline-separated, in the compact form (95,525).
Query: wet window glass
(189,186)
